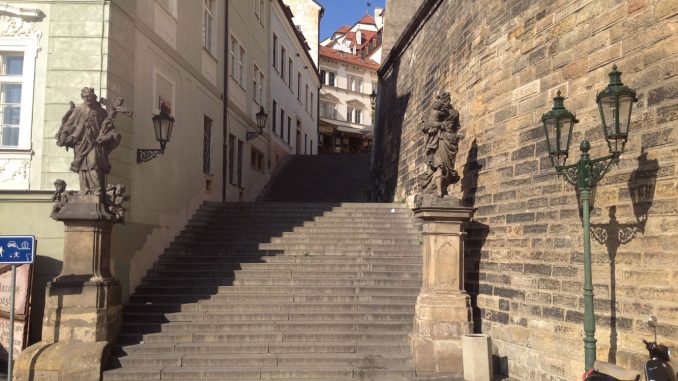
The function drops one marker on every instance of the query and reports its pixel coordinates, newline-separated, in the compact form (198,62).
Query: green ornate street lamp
(615,104)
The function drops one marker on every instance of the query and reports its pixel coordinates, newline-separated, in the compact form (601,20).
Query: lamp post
(262,116)
(615,104)
(162,125)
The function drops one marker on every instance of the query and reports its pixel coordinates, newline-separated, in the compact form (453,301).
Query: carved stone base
(83,311)
(440,322)
(443,311)
(64,361)
(82,305)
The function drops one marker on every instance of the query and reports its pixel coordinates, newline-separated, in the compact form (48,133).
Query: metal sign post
(15,250)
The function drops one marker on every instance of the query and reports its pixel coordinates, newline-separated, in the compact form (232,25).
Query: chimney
(378,18)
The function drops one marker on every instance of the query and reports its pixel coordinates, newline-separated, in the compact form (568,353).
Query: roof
(343,29)
(367,19)
(335,54)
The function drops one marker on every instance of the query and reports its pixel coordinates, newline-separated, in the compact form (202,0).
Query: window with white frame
(311,104)
(241,62)
(328,78)
(290,69)
(299,86)
(209,27)
(282,62)
(234,57)
(17,65)
(328,110)
(354,84)
(275,51)
(354,115)
(261,88)
(255,84)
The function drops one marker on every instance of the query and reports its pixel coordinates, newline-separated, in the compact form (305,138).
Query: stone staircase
(278,290)
(320,178)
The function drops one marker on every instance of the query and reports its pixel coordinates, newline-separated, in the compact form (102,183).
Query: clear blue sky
(344,12)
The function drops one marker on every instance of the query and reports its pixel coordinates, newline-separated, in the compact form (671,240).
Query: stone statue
(60,196)
(441,130)
(88,129)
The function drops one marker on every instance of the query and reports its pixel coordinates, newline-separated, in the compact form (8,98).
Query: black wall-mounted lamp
(262,116)
(162,125)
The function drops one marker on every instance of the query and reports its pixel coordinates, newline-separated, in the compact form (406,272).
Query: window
(255,84)
(257,159)
(328,110)
(311,104)
(289,130)
(282,62)
(290,66)
(240,146)
(241,76)
(234,57)
(306,96)
(207,143)
(305,143)
(16,73)
(282,121)
(311,148)
(273,120)
(237,62)
(261,88)
(231,159)
(209,30)
(354,84)
(328,78)
(262,11)
(275,51)
(299,86)
(354,115)
(258,85)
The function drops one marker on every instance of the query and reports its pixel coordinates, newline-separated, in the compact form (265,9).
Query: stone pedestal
(83,304)
(443,311)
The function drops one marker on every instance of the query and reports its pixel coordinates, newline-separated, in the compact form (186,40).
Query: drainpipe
(224,159)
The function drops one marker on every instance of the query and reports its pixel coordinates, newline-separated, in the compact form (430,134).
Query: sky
(344,12)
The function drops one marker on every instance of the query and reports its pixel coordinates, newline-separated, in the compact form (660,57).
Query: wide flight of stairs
(320,178)
(277,290)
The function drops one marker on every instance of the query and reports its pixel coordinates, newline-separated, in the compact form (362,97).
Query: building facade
(502,64)
(148,52)
(294,88)
(349,60)
(270,69)
(248,91)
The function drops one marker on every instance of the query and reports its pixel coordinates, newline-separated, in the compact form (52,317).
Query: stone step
(191,272)
(204,292)
(221,316)
(284,326)
(185,281)
(213,257)
(175,302)
(306,348)
(263,336)
(235,265)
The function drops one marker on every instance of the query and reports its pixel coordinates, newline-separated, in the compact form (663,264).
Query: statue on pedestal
(88,129)
(441,130)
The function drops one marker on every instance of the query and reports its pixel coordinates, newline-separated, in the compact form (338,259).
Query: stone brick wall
(503,61)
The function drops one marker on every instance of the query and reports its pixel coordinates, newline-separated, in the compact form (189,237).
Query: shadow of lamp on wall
(615,103)
(162,125)
(641,186)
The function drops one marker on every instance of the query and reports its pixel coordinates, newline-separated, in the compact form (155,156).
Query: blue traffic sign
(17,249)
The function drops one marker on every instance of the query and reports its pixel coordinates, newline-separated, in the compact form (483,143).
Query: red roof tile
(335,54)
(367,19)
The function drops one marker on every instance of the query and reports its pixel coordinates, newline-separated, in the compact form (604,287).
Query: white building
(295,84)
(349,61)
(147,52)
